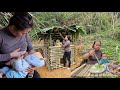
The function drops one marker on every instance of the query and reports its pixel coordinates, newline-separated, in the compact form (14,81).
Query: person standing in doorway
(67,50)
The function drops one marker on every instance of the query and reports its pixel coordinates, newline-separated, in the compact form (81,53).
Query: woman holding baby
(15,41)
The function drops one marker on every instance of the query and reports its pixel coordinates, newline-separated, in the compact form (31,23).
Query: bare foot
(65,67)
(68,68)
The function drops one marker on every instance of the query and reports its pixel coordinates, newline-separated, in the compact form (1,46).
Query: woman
(14,39)
(95,53)
(67,50)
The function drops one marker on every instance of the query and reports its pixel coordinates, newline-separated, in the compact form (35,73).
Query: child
(104,59)
(21,64)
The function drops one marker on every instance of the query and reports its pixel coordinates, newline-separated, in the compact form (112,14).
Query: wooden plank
(112,75)
(100,75)
(95,75)
(109,75)
(83,71)
(91,75)
(87,73)
(77,70)
(50,39)
(104,75)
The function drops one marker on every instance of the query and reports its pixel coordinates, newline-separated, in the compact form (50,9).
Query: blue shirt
(104,61)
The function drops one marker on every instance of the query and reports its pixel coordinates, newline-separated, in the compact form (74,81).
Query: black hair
(95,42)
(21,20)
(103,53)
(69,38)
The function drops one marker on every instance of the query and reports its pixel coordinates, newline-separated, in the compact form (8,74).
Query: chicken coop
(51,45)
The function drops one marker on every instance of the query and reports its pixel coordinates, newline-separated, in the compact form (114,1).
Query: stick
(61,35)
(96,58)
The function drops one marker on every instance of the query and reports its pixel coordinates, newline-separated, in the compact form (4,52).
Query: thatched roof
(64,28)
(54,31)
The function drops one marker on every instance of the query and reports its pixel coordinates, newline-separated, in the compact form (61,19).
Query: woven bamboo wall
(55,54)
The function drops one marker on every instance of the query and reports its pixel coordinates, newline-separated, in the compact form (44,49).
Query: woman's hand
(26,54)
(17,53)
(92,53)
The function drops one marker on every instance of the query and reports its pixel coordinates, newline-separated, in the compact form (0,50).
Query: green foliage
(103,26)
(89,22)
(4,18)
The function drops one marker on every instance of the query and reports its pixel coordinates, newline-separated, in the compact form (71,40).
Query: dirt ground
(58,73)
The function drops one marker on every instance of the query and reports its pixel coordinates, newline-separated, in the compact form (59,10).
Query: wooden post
(50,39)
(73,38)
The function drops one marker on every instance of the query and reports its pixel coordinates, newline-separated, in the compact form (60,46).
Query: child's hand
(38,54)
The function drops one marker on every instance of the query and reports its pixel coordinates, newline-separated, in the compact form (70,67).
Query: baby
(104,59)
(21,64)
